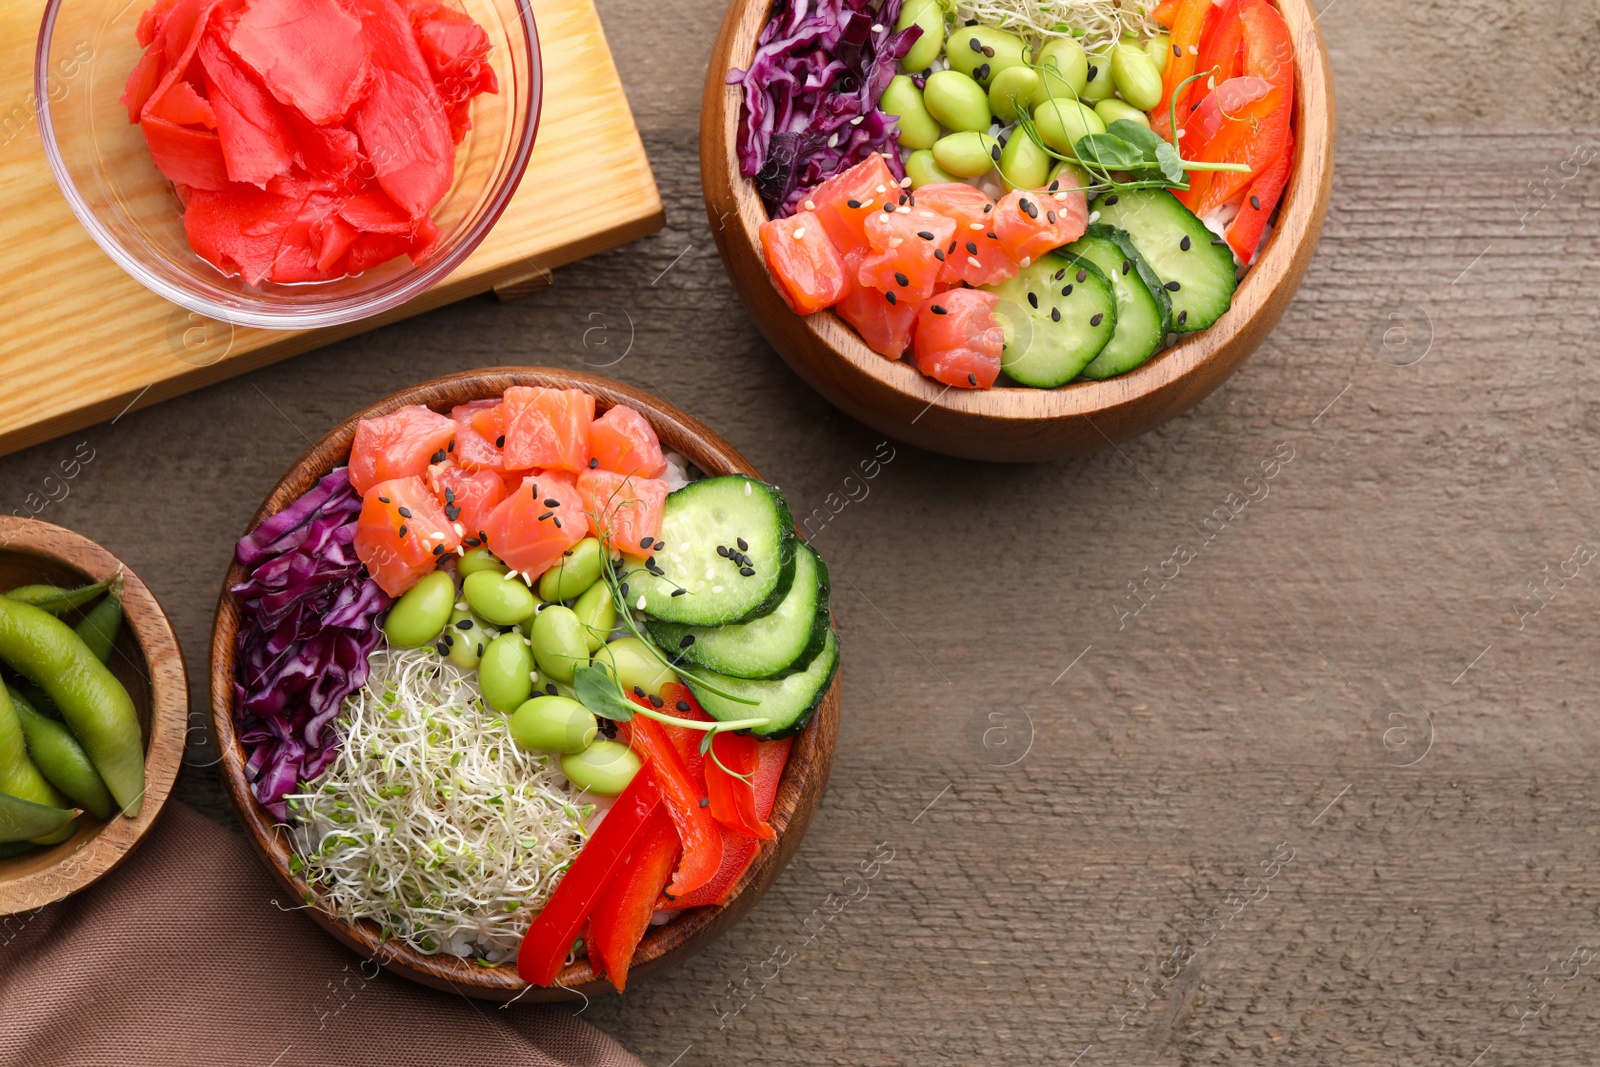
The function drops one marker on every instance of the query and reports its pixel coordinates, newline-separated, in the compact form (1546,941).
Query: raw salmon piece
(467,497)
(958,340)
(973,254)
(402,533)
(398,444)
(806,269)
(624,441)
(1031,222)
(902,257)
(474,451)
(547,428)
(868,185)
(885,327)
(541,519)
(622,510)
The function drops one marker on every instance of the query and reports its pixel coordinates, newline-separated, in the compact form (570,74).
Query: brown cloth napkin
(181,957)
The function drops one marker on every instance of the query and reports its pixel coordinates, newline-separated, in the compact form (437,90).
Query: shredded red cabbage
(811,95)
(309,621)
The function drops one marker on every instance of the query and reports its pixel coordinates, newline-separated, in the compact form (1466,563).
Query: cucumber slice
(714,530)
(1057,313)
(1195,267)
(788,703)
(786,640)
(1144,313)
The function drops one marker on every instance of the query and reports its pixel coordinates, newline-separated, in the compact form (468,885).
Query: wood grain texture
(799,790)
(1016,423)
(115,345)
(147,661)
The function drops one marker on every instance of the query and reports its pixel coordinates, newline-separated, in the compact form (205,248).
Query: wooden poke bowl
(147,661)
(799,790)
(1015,424)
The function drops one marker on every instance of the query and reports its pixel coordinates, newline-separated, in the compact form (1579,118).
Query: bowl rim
(800,788)
(1282,259)
(404,287)
(97,848)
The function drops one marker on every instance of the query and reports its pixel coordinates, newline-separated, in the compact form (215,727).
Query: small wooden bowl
(147,661)
(799,790)
(1014,424)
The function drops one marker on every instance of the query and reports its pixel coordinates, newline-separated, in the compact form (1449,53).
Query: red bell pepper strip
(622,914)
(1186,27)
(702,844)
(1219,50)
(549,939)
(733,799)
(740,850)
(1244,233)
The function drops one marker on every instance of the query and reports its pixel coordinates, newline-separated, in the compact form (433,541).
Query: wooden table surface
(1331,632)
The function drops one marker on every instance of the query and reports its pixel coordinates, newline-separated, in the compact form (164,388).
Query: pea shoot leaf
(1110,152)
(1140,136)
(705,742)
(599,692)
(1171,163)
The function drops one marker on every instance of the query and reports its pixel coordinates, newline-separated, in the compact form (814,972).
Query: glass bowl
(85,52)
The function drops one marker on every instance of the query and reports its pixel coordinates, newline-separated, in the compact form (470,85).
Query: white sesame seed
(1182,133)
(640,604)
(905,183)
(461,550)
(902,210)
(1027,261)
(1211,82)
(811,205)
(833,141)
(1094,216)
(1194,50)
(461,605)
(882,190)
(746,488)
(974,225)
(1059,196)
(459,529)
(896,242)
(799,233)
(436,536)
(857,120)
(868,202)
(974,261)
(877,27)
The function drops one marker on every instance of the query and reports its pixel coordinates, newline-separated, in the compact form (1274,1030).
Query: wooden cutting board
(81,341)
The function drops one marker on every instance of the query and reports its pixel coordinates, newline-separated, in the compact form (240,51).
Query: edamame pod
(465,637)
(61,760)
(1063,70)
(20,778)
(554,724)
(902,99)
(597,614)
(923,169)
(1012,88)
(506,672)
(968,154)
(956,101)
(93,702)
(1063,123)
(578,569)
(498,598)
(23,820)
(1097,83)
(604,768)
(558,642)
(634,667)
(930,16)
(98,628)
(1134,74)
(981,52)
(1159,49)
(420,614)
(1113,109)
(1023,164)
(56,599)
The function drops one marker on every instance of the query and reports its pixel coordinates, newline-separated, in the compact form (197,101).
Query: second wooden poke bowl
(1014,424)
(799,790)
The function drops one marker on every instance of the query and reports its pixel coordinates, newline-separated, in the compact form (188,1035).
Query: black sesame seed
(500,442)
(438,550)
(988,51)
(1033,301)
(1127,265)
(624,588)
(1028,207)
(1177,51)
(550,687)
(552,502)
(746,571)
(661,546)
(451,447)
(992,236)
(449,640)
(938,253)
(1183,317)
(972,379)
(1173,287)
(449,496)
(722,550)
(705,802)
(1050,216)
(975,44)
(972,22)
(472,542)
(442,648)
(646,542)
(1062,273)
(483,537)
(1112,199)
(952,247)
(464,624)
(1068,290)
(594,463)
(638,692)
(1082,274)
(994,153)
(688,639)
(926,235)
(853,203)
(937,310)
(557,521)
(452,512)
(988,208)
(682,705)
(1054,185)
(438,457)
(889,297)
(1095,319)
(1185,243)
(1055,314)
(679,592)
(384,500)
(405,513)
(403,529)
(888,209)
(1093,70)
(972,247)
(656,702)
(546,515)
(901,279)
(744,546)
(1255,202)
(982,72)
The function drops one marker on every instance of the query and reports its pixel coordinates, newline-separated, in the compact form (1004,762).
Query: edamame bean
(20,778)
(61,759)
(578,569)
(1065,175)
(421,612)
(1062,123)
(597,613)
(1023,164)
(558,644)
(634,667)
(498,598)
(93,702)
(923,169)
(465,638)
(56,599)
(968,154)
(23,820)
(505,673)
(1113,109)
(554,724)
(956,101)
(1159,49)
(1135,75)
(1012,87)
(902,99)
(930,16)
(1065,68)
(1097,83)
(604,768)
(478,559)
(98,627)
(981,52)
